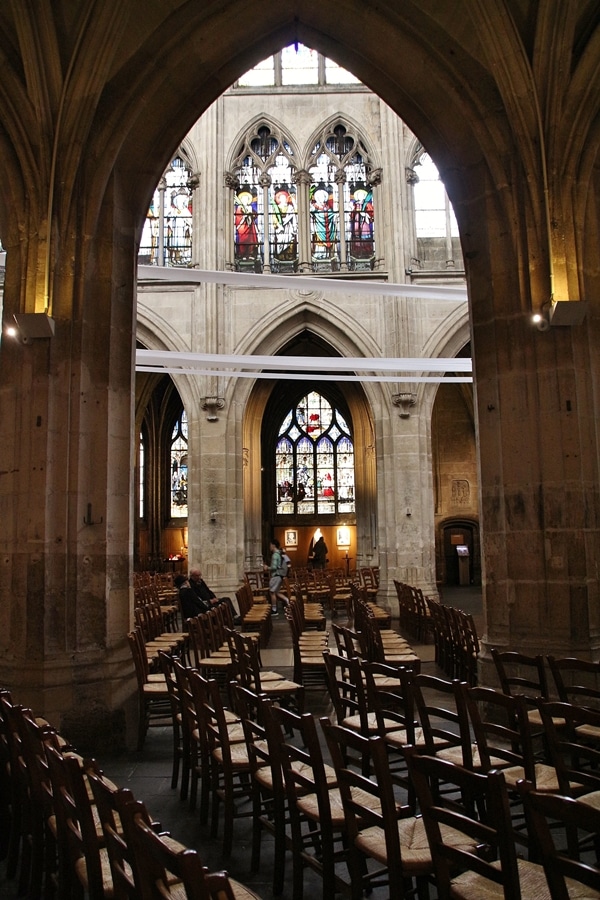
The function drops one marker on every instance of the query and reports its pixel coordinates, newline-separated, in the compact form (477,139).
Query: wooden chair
(82,857)
(565,870)
(202,766)
(214,663)
(577,681)
(250,674)
(441,710)
(574,749)
(269,799)
(525,675)
(154,708)
(309,665)
(318,830)
(470,833)
(502,731)
(379,825)
(230,768)
(166,867)
(167,666)
(255,616)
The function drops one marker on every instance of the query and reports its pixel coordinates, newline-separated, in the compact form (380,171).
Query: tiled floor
(148,774)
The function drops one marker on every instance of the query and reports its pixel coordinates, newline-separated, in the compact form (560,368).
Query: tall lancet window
(167,234)
(342,215)
(179,468)
(265,204)
(314,460)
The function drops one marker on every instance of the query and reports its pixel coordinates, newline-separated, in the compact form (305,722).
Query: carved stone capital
(375,176)
(232,181)
(211,405)
(301,176)
(411,176)
(405,399)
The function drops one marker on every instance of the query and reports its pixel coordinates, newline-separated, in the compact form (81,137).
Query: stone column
(65,490)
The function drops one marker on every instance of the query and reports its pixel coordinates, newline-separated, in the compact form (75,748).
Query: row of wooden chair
(254,612)
(413,612)
(74,833)
(456,641)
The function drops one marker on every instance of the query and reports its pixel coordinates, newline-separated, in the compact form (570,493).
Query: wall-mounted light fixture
(33,326)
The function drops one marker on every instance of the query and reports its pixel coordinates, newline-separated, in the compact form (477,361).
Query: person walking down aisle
(320,554)
(279,569)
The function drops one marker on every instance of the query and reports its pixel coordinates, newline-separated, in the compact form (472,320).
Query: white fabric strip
(302,283)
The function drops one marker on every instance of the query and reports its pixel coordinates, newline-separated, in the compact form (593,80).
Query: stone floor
(148,774)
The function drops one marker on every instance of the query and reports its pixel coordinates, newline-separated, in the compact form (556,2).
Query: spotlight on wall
(540,321)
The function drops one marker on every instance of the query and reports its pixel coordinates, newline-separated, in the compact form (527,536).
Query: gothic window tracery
(179,467)
(287,219)
(314,460)
(167,233)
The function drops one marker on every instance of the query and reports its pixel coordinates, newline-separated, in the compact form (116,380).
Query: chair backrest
(346,689)
(573,739)
(501,729)
(521,674)
(109,800)
(368,802)
(476,807)
(390,697)
(577,680)
(140,659)
(77,838)
(443,725)
(543,811)
(163,864)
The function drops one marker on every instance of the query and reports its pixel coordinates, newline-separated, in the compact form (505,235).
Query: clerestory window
(314,460)
(314,218)
(167,234)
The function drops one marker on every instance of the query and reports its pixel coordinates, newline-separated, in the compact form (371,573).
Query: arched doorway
(460,566)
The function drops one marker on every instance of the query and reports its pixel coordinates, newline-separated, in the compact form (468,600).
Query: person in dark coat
(320,554)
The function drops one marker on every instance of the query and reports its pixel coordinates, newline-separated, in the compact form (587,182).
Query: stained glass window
(167,234)
(339,158)
(265,177)
(141,475)
(179,468)
(314,460)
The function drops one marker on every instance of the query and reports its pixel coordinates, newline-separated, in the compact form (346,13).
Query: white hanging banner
(299,367)
(306,283)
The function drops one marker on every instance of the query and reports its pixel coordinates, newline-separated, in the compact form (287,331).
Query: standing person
(278,569)
(320,554)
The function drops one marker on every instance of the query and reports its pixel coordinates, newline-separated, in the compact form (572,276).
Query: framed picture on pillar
(291,538)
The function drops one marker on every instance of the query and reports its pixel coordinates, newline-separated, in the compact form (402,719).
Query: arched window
(265,204)
(167,234)
(318,220)
(142,476)
(434,216)
(314,460)
(179,468)
(297,64)
(339,181)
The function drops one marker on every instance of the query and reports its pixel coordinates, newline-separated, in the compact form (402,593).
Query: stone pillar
(65,490)
(539,460)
